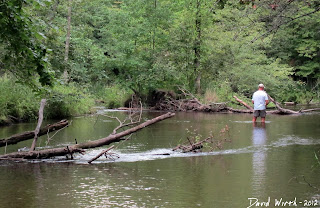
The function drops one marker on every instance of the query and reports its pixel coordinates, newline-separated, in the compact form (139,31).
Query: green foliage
(112,96)
(222,91)
(17,100)
(235,64)
(140,45)
(298,42)
(20,102)
(296,92)
(65,101)
(24,54)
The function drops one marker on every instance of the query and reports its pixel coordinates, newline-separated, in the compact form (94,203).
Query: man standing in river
(260,101)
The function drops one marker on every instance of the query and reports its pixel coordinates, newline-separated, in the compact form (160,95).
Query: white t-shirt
(259,98)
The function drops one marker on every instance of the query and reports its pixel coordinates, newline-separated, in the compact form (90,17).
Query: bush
(17,100)
(218,92)
(112,96)
(20,102)
(66,101)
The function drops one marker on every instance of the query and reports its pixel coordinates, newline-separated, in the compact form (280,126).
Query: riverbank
(20,103)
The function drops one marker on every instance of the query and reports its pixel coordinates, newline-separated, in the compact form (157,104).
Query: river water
(261,165)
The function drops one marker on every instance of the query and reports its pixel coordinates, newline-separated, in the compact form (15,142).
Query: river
(262,165)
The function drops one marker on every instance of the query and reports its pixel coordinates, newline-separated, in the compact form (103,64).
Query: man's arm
(267,100)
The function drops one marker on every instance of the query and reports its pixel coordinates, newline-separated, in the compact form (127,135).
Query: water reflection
(259,138)
(259,162)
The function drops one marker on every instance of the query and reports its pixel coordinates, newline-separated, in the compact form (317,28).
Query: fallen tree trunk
(288,111)
(238,110)
(30,134)
(91,144)
(279,110)
(243,103)
(282,110)
(99,155)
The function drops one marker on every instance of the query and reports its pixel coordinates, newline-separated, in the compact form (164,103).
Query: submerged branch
(99,155)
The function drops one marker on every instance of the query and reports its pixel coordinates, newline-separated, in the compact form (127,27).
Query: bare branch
(36,131)
(130,117)
(276,27)
(99,155)
(50,138)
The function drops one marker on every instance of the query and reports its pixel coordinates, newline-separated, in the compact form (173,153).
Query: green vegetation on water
(76,52)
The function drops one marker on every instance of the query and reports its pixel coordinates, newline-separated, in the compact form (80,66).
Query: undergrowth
(19,103)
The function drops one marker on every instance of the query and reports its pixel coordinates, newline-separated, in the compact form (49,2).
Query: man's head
(261,86)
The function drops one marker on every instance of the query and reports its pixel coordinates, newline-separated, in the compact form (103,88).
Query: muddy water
(263,162)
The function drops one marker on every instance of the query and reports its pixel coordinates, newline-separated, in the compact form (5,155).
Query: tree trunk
(30,134)
(238,110)
(154,29)
(53,11)
(87,145)
(36,131)
(243,103)
(67,47)
(282,110)
(197,46)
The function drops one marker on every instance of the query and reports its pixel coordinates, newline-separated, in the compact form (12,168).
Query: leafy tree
(298,43)
(24,53)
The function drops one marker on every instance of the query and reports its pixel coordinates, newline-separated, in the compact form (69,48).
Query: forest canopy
(210,47)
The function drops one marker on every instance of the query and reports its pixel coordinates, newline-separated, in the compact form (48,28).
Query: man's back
(259,98)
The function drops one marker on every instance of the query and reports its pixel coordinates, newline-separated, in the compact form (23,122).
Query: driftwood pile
(195,144)
(191,103)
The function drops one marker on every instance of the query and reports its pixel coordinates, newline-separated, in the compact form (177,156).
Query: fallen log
(309,110)
(243,103)
(119,136)
(99,155)
(288,111)
(238,110)
(47,153)
(282,110)
(30,134)
(193,104)
(289,103)
(42,154)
